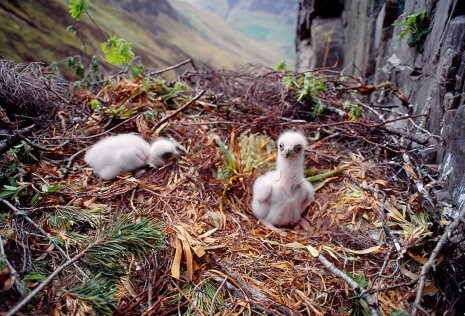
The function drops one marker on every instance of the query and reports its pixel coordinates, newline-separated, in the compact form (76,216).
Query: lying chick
(281,196)
(114,155)
(162,151)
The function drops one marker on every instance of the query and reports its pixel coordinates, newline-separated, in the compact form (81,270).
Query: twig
(44,233)
(430,263)
(108,130)
(13,272)
(338,273)
(182,108)
(39,288)
(420,188)
(253,295)
(212,306)
(70,163)
(157,72)
(386,228)
(19,133)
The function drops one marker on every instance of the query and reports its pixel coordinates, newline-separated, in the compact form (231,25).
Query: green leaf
(359,278)
(117,51)
(77,8)
(46,188)
(227,153)
(95,105)
(35,197)
(288,81)
(137,72)
(404,32)
(281,66)
(318,108)
(122,239)
(34,277)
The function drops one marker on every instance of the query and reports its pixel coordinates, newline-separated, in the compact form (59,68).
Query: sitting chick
(162,151)
(114,155)
(281,196)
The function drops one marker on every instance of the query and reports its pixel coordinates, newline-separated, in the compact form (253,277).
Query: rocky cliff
(430,70)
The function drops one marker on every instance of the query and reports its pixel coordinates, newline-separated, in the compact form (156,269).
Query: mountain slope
(161,33)
(273,23)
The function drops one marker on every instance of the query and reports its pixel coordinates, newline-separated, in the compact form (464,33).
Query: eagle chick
(281,196)
(114,155)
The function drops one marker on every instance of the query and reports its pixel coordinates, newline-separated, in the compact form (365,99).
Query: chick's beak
(287,152)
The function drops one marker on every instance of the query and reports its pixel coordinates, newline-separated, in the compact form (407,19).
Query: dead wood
(28,89)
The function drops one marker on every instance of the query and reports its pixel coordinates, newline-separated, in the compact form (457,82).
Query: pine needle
(122,239)
(99,293)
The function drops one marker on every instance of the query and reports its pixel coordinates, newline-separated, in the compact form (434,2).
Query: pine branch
(100,293)
(122,239)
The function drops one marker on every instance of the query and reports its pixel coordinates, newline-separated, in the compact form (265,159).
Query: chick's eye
(281,147)
(297,148)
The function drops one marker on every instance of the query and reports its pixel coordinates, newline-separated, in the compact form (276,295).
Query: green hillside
(162,33)
(272,23)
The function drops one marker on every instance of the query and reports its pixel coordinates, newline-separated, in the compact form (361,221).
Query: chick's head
(163,151)
(291,145)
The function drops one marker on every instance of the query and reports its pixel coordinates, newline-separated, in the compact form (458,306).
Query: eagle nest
(182,239)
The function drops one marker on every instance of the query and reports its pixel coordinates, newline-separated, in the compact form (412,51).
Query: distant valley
(271,22)
(162,32)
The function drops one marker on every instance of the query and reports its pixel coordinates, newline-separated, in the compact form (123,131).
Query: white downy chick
(162,151)
(281,196)
(114,155)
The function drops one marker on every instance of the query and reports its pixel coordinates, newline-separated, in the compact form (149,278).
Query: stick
(430,263)
(427,203)
(44,233)
(157,72)
(182,108)
(70,163)
(386,228)
(39,288)
(332,268)
(13,272)
(212,306)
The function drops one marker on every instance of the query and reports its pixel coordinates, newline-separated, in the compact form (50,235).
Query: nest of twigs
(30,89)
(371,233)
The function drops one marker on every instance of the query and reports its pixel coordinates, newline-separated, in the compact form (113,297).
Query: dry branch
(28,89)
(420,188)
(430,263)
(185,62)
(338,273)
(179,110)
(44,283)
(44,234)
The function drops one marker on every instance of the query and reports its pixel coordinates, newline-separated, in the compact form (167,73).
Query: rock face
(431,73)
(320,34)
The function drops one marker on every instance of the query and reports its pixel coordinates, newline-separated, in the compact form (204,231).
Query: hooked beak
(287,153)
